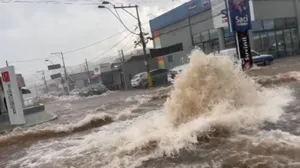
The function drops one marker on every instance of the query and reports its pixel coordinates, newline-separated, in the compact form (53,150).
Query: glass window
(295,40)
(257,45)
(230,42)
(170,58)
(288,42)
(257,25)
(196,38)
(280,43)
(205,36)
(213,34)
(291,22)
(279,23)
(207,48)
(265,42)
(272,44)
(268,24)
(227,32)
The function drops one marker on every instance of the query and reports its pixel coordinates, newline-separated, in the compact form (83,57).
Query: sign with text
(5,76)
(55,76)
(13,96)
(52,67)
(245,50)
(240,15)
(166,50)
(219,13)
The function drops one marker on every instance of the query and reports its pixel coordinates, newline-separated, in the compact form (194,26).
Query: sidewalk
(32,118)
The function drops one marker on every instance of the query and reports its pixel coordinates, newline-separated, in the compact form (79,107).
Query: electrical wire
(30,60)
(111,48)
(90,45)
(119,18)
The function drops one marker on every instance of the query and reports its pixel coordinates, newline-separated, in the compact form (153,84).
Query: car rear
(137,79)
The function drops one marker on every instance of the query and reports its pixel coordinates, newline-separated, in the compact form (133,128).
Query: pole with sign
(240,23)
(12,95)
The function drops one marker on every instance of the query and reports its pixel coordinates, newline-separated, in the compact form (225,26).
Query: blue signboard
(240,16)
(182,12)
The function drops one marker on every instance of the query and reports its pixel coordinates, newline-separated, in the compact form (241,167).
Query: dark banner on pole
(52,67)
(240,16)
(166,50)
(55,76)
(240,23)
(245,50)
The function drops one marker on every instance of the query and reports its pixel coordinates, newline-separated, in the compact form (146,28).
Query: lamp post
(141,34)
(65,69)
(49,61)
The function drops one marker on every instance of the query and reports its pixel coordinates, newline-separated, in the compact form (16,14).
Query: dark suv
(159,77)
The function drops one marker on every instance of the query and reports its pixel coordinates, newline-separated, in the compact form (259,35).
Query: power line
(123,22)
(111,47)
(90,45)
(37,59)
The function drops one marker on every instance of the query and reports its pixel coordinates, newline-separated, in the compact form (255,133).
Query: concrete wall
(201,23)
(176,33)
(271,9)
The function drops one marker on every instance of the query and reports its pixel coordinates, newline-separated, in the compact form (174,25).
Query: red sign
(5,77)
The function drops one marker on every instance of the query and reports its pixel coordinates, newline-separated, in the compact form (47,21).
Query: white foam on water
(210,94)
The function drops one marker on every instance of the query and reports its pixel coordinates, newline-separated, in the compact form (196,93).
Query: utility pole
(88,72)
(141,34)
(144,47)
(65,70)
(6,63)
(123,68)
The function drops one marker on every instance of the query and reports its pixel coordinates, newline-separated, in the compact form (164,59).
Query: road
(131,129)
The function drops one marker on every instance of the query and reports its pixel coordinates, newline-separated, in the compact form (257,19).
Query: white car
(175,72)
(137,80)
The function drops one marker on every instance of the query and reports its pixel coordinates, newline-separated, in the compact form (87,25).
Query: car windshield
(162,83)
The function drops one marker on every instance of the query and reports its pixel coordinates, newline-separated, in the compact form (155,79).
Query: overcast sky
(32,31)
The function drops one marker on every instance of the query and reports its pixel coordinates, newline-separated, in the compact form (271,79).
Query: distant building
(133,65)
(80,80)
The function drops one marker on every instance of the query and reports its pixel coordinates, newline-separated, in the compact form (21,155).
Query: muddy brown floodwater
(218,118)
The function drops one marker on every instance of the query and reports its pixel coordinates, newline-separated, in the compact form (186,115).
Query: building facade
(275,27)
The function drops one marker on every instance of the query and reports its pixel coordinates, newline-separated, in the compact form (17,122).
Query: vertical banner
(12,95)
(157,44)
(240,22)
(244,49)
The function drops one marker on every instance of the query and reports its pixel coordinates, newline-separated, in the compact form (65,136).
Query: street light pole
(144,47)
(49,61)
(65,69)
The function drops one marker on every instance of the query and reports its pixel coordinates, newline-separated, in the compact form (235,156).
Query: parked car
(175,72)
(136,81)
(93,89)
(159,77)
(258,59)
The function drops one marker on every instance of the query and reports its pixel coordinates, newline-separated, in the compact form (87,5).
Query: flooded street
(215,117)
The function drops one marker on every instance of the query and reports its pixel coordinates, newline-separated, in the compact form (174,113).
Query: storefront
(278,37)
(208,41)
(275,28)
